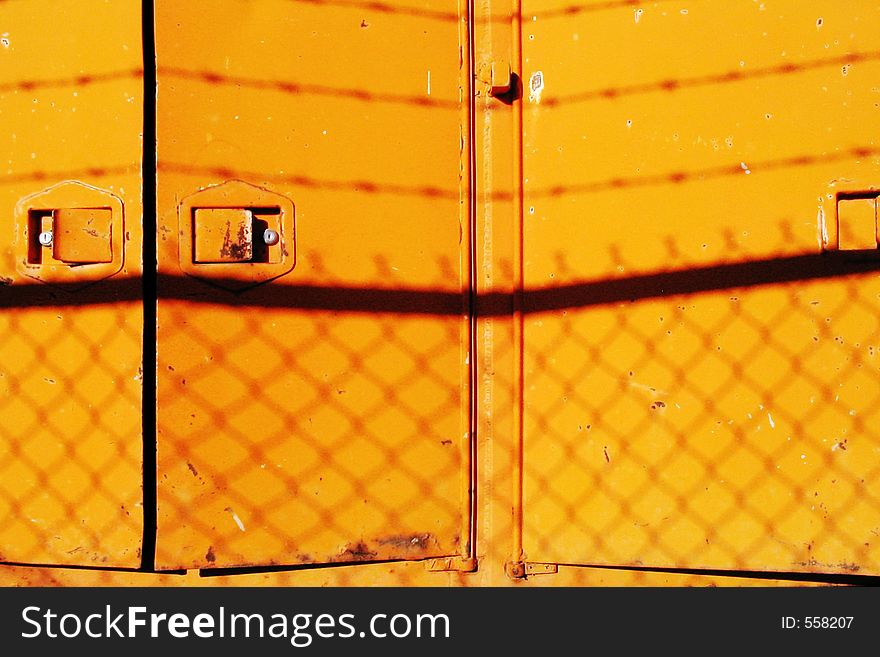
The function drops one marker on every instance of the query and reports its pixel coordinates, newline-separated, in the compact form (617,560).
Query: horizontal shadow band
(351,299)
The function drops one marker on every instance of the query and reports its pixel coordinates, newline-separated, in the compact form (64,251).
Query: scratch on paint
(236,518)
(823,228)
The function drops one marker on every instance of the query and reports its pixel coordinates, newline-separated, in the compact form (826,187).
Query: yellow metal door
(70,289)
(701,338)
(313,314)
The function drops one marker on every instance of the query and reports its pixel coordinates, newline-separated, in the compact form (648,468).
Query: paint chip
(536,87)
(236,518)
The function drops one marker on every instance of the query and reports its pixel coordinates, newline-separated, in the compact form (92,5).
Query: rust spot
(812,563)
(418,543)
(192,469)
(209,555)
(445,442)
(357,552)
(658,404)
(364,23)
(237,249)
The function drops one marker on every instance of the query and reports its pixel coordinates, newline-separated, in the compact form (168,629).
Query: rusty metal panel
(223,235)
(314,410)
(70,302)
(701,377)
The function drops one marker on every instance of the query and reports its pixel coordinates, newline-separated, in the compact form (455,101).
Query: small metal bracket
(452,564)
(496,77)
(525,569)
(541,568)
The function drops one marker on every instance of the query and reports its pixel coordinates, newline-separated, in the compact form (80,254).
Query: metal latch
(70,234)
(236,235)
(78,236)
(857,221)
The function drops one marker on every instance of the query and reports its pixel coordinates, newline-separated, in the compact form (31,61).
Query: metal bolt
(45,238)
(271,237)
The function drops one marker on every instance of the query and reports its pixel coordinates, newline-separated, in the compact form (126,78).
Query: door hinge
(541,568)
(524,569)
(452,564)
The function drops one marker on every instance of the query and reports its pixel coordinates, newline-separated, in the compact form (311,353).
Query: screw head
(45,238)
(271,237)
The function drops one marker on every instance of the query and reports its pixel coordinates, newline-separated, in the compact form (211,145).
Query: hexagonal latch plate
(70,235)
(236,235)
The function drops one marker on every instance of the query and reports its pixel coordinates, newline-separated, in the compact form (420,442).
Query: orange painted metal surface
(701,377)
(70,311)
(490,293)
(322,416)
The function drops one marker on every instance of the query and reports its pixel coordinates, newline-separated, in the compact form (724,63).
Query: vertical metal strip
(518,326)
(471,109)
(150,294)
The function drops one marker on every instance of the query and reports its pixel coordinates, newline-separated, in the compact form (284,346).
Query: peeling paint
(411,542)
(357,552)
(536,87)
